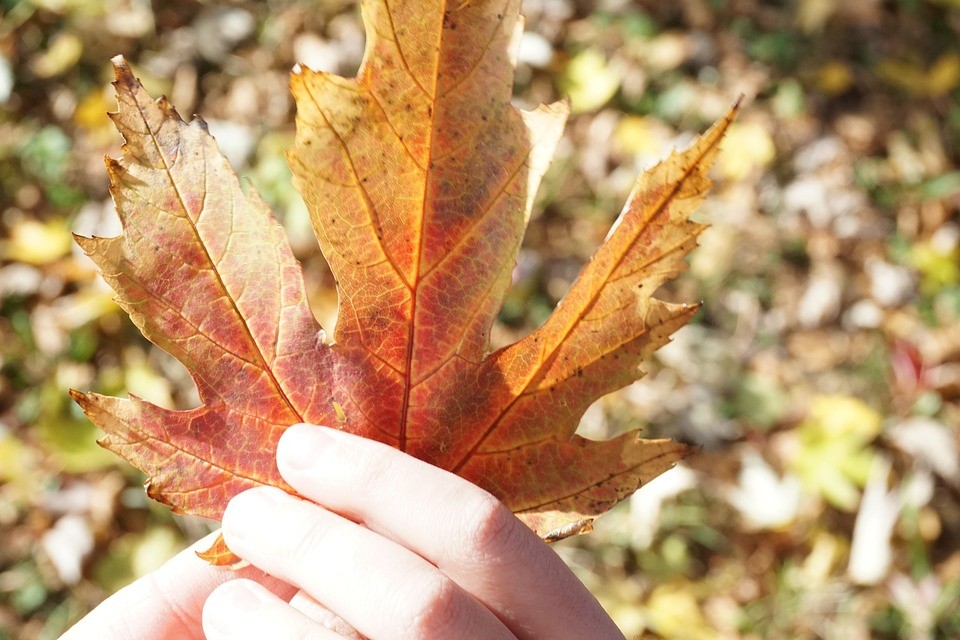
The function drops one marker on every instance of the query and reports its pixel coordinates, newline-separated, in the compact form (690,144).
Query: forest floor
(821,378)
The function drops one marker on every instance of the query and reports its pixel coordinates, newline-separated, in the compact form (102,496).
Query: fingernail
(231,605)
(302,445)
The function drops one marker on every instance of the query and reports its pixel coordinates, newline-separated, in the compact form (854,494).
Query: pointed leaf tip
(219,555)
(78,396)
(122,72)
(86,400)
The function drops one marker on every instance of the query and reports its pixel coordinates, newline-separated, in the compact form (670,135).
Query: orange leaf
(419,175)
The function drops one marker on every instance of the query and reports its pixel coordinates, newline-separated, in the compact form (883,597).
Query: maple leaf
(420,176)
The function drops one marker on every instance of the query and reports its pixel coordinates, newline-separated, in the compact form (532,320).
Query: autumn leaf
(419,175)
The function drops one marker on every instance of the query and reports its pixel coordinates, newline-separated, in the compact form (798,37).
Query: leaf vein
(236,310)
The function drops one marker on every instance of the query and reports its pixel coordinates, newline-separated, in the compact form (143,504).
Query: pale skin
(382,546)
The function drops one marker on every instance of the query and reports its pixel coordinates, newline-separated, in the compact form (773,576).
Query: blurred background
(822,377)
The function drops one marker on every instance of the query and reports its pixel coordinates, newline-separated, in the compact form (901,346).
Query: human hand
(166,604)
(398,549)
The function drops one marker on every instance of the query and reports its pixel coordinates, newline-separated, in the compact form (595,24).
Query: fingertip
(297,430)
(306,425)
(246,515)
(242,609)
(228,608)
(302,445)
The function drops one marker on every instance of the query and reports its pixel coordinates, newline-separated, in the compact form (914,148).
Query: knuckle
(370,471)
(489,531)
(441,610)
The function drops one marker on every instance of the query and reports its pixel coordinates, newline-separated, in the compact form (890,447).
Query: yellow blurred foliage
(71,445)
(91,115)
(826,553)
(834,77)
(673,612)
(143,381)
(134,555)
(942,77)
(833,459)
(841,417)
(938,268)
(747,146)
(667,51)
(812,15)
(85,7)
(152,549)
(589,81)
(61,55)
(87,305)
(36,242)
(641,136)
(17,467)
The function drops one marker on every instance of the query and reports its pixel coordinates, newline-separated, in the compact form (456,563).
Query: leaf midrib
(411,325)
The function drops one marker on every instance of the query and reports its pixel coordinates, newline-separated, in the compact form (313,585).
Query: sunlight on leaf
(420,176)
